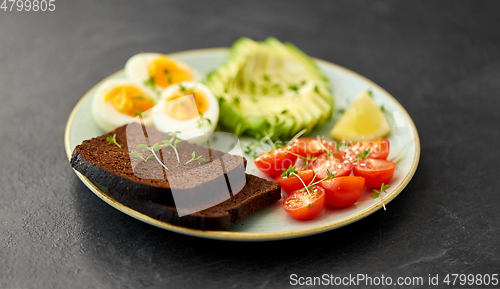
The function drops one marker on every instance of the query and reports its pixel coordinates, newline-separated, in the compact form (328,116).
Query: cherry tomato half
(379,148)
(334,162)
(343,191)
(292,183)
(310,146)
(375,171)
(273,161)
(305,205)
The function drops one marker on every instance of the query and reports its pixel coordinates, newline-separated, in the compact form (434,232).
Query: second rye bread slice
(257,194)
(193,185)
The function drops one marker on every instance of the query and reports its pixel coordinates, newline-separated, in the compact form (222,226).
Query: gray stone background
(440,59)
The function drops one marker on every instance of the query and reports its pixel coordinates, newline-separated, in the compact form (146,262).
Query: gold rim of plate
(244,236)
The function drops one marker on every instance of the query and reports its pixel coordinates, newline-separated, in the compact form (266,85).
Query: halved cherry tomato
(292,183)
(273,161)
(334,162)
(375,171)
(379,148)
(310,146)
(303,205)
(343,191)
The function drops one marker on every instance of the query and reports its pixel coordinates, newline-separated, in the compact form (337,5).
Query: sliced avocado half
(270,88)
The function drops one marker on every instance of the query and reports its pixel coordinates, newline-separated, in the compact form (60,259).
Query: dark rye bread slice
(111,166)
(257,194)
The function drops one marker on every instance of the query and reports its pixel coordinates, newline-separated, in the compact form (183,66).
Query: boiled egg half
(118,102)
(187,107)
(157,70)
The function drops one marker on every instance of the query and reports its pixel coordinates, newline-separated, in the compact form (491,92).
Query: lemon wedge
(363,120)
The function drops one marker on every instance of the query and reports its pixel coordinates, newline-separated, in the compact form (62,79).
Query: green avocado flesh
(270,89)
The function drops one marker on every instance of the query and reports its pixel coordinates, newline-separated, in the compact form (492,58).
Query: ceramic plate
(274,223)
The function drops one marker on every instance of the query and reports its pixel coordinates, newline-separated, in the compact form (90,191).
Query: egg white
(188,128)
(107,116)
(137,67)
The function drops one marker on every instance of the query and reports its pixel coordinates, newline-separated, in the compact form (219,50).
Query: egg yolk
(165,71)
(129,100)
(184,108)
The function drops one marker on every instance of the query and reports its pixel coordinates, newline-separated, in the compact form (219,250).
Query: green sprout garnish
(202,120)
(308,159)
(363,155)
(200,159)
(329,176)
(377,193)
(290,171)
(112,139)
(153,151)
(137,155)
(156,147)
(168,143)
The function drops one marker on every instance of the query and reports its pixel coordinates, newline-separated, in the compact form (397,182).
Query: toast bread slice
(148,188)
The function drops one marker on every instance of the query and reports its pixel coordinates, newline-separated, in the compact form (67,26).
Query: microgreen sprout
(377,193)
(137,155)
(156,147)
(286,173)
(251,149)
(168,143)
(363,155)
(329,176)
(320,142)
(308,159)
(112,139)
(203,119)
(292,171)
(297,136)
(200,159)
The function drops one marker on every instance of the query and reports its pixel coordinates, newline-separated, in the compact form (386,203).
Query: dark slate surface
(440,59)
